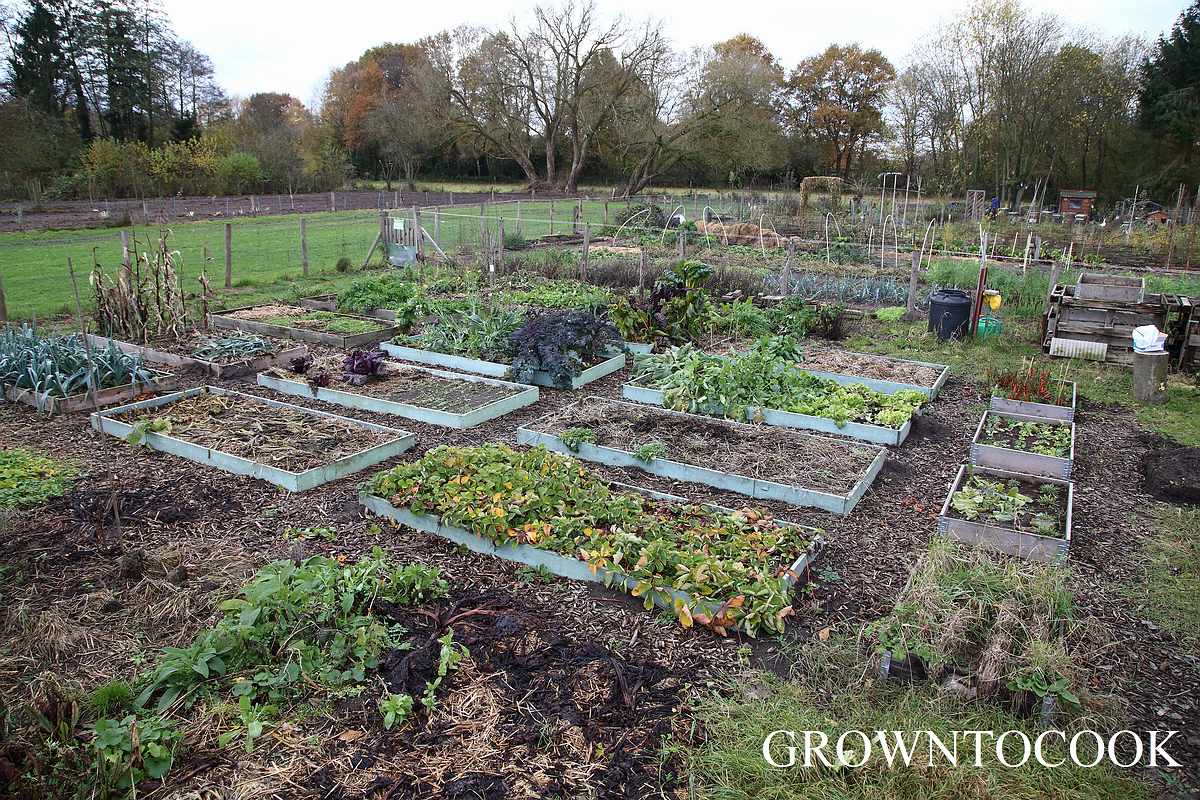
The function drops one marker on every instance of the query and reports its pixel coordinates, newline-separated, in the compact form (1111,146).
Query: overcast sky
(268,45)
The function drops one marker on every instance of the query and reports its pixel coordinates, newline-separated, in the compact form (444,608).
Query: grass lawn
(729,765)
(1169,592)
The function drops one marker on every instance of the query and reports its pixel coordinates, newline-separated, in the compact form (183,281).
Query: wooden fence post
(641,272)
(1037,247)
(680,242)
(3,302)
(304,246)
(417,232)
(575,219)
(500,244)
(228,255)
(910,304)
(786,288)
(518,216)
(551,217)
(437,225)
(332,202)
(583,261)
(606,213)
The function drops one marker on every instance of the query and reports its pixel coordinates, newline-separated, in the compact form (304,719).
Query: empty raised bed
(327,328)
(426,395)
(1007,512)
(221,357)
(1028,445)
(725,570)
(1110,288)
(766,463)
(292,447)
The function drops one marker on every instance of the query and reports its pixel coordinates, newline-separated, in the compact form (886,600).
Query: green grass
(1168,589)
(1097,382)
(729,765)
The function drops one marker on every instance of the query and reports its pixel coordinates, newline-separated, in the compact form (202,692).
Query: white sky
(268,45)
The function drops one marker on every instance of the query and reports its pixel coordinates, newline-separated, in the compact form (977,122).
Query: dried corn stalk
(146,300)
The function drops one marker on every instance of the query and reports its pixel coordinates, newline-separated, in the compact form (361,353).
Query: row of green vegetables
(723,570)
(766,376)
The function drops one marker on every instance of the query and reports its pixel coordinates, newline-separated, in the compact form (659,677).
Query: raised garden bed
(176,353)
(1008,512)
(496,369)
(883,374)
(1063,412)
(89,401)
(292,447)
(329,302)
(545,510)
(774,464)
(1027,445)
(451,399)
(344,331)
(876,434)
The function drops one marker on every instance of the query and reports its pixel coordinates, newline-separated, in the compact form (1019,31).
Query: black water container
(949,313)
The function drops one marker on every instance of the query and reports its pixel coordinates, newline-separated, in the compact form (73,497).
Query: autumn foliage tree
(838,97)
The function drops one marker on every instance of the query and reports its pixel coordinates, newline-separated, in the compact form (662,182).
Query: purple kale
(361,366)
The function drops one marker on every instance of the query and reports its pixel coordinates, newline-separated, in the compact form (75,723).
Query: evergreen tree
(1170,97)
(37,60)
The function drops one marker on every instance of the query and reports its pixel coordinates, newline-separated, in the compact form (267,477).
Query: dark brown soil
(846,362)
(1170,471)
(416,387)
(774,454)
(275,436)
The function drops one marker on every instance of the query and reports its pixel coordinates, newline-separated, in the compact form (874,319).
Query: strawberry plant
(728,564)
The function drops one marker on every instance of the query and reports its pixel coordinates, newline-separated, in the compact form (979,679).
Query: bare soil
(846,362)
(404,384)
(771,454)
(269,435)
(1170,471)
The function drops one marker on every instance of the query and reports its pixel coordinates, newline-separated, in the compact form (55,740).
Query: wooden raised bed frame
(89,401)
(469,419)
(234,369)
(677,470)
(1021,461)
(495,369)
(106,422)
(328,302)
(572,568)
(876,434)
(1038,411)
(340,341)
(1032,546)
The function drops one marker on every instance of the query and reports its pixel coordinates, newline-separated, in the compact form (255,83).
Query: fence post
(417,232)
(228,255)
(1037,247)
(551,217)
(3,302)
(787,267)
(437,225)
(641,272)
(304,246)
(606,213)
(587,242)
(910,304)
(500,245)
(681,242)
(332,202)
(575,219)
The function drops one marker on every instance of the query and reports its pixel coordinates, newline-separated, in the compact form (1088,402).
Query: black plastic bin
(949,313)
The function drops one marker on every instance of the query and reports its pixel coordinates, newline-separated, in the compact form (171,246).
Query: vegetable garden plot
(775,464)
(724,570)
(222,357)
(343,331)
(1007,512)
(764,385)
(589,374)
(1027,445)
(292,447)
(62,374)
(426,395)
(1032,392)
(329,302)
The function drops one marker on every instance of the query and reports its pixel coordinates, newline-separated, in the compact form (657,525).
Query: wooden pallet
(1106,322)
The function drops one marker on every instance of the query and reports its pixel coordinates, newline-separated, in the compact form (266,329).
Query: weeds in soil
(28,479)
(573,437)
(650,451)
(726,761)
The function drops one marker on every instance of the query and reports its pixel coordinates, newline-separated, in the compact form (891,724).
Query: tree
(1169,100)
(838,98)
(36,60)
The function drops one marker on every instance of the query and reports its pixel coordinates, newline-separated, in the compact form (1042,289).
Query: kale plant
(561,344)
(362,366)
